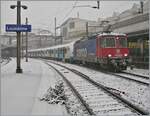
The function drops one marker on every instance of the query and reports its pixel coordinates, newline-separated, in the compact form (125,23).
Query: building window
(64,31)
(72,25)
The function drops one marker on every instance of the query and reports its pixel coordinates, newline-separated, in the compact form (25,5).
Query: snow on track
(99,101)
(142,72)
(141,80)
(136,93)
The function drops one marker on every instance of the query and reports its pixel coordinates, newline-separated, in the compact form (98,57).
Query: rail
(129,104)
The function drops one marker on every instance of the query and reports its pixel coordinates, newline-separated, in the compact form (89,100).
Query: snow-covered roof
(112,33)
(76,19)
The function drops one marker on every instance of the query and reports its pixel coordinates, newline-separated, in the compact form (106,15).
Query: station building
(75,28)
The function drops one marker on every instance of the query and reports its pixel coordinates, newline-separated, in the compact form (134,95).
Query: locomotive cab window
(107,42)
(122,42)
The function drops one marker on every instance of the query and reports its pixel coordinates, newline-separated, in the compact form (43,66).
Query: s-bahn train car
(59,52)
(109,50)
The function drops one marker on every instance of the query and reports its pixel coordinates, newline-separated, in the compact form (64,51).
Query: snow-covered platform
(20,93)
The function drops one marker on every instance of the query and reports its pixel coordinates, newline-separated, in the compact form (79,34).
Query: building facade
(38,39)
(75,28)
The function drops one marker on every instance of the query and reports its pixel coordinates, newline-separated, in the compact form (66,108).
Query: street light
(26,41)
(19,6)
(98,5)
(86,6)
(12,6)
(24,7)
(95,7)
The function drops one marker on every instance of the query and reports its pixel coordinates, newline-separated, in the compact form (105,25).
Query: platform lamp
(19,6)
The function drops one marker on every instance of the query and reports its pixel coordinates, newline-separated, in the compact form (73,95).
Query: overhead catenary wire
(57,13)
(70,11)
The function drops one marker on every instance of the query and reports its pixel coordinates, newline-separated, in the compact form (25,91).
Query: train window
(110,42)
(103,43)
(122,42)
(107,42)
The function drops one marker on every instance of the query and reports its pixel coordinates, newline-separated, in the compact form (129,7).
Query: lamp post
(18,70)
(22,43)
(26,42)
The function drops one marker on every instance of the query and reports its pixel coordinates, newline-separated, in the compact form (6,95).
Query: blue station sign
(17,28)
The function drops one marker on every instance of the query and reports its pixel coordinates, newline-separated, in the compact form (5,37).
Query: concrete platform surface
(20,93)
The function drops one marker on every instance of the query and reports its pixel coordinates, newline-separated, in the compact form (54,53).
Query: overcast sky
(41,13)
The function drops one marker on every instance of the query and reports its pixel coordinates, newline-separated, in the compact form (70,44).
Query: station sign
(17,28)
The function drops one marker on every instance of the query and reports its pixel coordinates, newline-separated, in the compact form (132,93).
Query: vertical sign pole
(87,32)
(18,70)
(26,42)
(22,44)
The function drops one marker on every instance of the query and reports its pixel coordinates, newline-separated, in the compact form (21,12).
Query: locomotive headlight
(109,55)
(125,54)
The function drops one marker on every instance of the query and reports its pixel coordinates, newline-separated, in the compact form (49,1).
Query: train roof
(53,47)
(93,36)
(111,33)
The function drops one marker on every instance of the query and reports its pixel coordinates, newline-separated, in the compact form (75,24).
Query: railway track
(136,78)
(140,76)
(96,98)
(128,76)
(144,80)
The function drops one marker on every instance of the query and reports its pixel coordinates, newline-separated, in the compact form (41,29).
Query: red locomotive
(109,50)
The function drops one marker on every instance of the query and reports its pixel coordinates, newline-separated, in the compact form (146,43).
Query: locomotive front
(113,50)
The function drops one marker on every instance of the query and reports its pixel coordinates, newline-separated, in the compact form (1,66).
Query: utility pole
(98,5)
(26,42)
(55,30)
(61,40)
(22,43)
(40,40)
(18,70)
(87,32)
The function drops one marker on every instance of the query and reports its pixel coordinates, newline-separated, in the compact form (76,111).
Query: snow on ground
(41,107)
(3,62)
(144,72)
(138,94)
(72,103)
(20,92)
